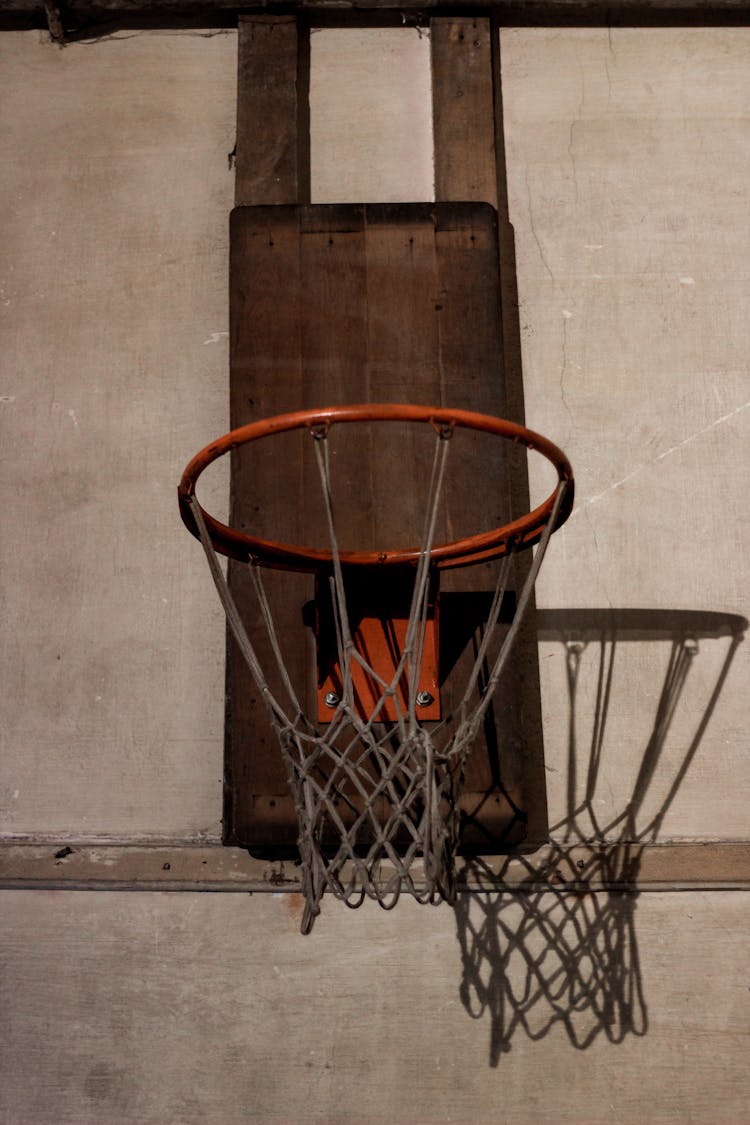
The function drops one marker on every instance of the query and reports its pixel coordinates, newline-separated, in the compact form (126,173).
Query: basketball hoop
(374,776)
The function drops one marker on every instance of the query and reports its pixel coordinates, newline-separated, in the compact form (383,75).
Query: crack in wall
(533,229)
(566,317)
(660,457)
(571,130)
(592,529)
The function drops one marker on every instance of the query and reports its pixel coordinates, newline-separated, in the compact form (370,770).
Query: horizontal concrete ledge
(73,15)
(578,868)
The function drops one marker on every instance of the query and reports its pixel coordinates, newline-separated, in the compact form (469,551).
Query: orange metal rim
(518,534)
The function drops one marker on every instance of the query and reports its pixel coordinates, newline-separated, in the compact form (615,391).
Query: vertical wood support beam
(272,159)
(463,109)
(272,167)
(470,165)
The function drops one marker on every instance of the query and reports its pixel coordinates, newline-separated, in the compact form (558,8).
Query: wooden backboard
(366,303)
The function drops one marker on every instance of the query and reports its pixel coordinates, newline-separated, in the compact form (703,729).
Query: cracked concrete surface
(627,171)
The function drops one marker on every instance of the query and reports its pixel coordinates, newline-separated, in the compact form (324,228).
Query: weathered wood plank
(334,314)
(402,343)
(266,377)
(470,372)
(511,13)
(128,867)
(271,168)
(505,792)
(462,108)
(267,162)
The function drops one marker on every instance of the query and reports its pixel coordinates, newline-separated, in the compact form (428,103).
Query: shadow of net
(558,944)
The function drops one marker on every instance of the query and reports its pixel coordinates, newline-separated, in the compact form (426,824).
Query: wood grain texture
(514,13)
(266,378)
(267,162)
(62,865)
(463,110)
(365,302)
(465,80)
(269,169)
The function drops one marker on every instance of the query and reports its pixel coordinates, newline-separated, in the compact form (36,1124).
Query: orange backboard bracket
(378,608)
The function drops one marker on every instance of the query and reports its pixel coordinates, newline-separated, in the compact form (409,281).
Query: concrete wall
(158,1008)
(627,180)
(116,189)
(628,169)
(370,116)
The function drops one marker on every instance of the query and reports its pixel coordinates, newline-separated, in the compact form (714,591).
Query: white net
(376,797)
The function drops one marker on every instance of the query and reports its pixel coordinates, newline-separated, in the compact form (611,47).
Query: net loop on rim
(377,799)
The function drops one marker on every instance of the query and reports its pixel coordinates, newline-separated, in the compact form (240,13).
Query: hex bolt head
(424,698)
(331,699)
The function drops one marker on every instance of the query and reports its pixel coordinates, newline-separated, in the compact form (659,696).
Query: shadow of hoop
(558,944)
